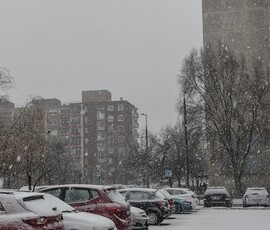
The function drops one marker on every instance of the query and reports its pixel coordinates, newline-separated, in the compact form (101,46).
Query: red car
(23,211)
(97,199)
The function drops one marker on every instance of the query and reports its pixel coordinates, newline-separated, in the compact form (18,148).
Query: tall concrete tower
(242,25)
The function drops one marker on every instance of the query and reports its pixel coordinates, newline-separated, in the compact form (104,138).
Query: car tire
(154,218)
(178,208)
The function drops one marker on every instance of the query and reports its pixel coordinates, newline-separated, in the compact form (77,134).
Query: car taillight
(163,203)
(35,221)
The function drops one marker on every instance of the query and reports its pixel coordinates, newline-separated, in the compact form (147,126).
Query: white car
(72,218)
(256,197)
(140,219)
(184,193)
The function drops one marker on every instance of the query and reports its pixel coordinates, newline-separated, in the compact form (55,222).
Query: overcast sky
(133,48)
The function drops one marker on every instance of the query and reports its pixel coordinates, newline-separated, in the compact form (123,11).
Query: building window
(100,115)
(100,156)
(101,125)
(53,111)
(75,140)
(100,136)
(110,118)
(110,128)
(111,148)
(54,122)
(110,160)
(64,131)
(120,128)
(74,130)
(110,107)
(100,146)
(64,121)
(120,118)
(75,120)
(121,139)
(120,107)
(111,139)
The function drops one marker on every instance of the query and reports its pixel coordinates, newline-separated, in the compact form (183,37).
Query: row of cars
(219,196)
(93,207)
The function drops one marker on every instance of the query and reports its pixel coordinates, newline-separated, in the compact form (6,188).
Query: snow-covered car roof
(94,186)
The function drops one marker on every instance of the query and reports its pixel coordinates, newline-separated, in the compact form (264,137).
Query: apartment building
(98,133)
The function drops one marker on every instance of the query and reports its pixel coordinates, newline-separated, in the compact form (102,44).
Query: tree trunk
(238,184)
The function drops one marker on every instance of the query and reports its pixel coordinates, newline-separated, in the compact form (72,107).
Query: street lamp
(146,150)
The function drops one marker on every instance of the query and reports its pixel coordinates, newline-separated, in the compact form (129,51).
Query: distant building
(242,26)
(98,131)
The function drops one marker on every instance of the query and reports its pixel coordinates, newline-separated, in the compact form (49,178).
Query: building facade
(242,26)
(98,133)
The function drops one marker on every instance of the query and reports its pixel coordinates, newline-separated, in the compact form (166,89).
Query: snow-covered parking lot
(219,219)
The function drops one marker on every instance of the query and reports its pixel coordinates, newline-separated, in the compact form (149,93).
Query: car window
(179,192)
(77,195)
(55,192)
(2,210)
(115,196)
(138,195)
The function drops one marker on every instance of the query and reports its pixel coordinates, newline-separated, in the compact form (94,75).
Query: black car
(152,201)
(217,196)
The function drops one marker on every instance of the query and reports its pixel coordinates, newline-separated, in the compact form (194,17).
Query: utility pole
(186,141)
(146,152)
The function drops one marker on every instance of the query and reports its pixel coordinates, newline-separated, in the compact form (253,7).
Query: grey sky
(133,48)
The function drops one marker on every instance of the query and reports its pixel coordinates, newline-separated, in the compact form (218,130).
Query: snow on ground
(218,219)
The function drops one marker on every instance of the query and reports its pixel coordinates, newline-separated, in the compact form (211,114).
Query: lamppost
(82,112)
(146,150)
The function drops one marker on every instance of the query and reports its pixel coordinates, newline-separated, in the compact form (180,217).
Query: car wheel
(178,208)
(153,218)
(229,205)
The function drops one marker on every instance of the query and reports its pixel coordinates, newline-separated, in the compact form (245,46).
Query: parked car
(97,199)
(152,201)
(170,200)
(73,219)
(217,196)
(182,205)
(26,211)
(140,219)
(256,197)
(184,193)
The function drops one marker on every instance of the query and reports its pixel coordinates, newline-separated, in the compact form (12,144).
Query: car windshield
(216,191)
(44,204)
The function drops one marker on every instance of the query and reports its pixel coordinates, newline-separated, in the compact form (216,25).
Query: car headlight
(136,214)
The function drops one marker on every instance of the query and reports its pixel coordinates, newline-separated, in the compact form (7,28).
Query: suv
(256,197)
(217,196)
(97,199)
(152,201)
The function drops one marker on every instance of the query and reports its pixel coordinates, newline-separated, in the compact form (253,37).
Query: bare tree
(233,98)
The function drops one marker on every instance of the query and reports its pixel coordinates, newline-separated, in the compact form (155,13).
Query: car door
(82,199)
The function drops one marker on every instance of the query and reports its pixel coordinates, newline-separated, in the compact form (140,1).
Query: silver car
(256,197)
(140,219)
